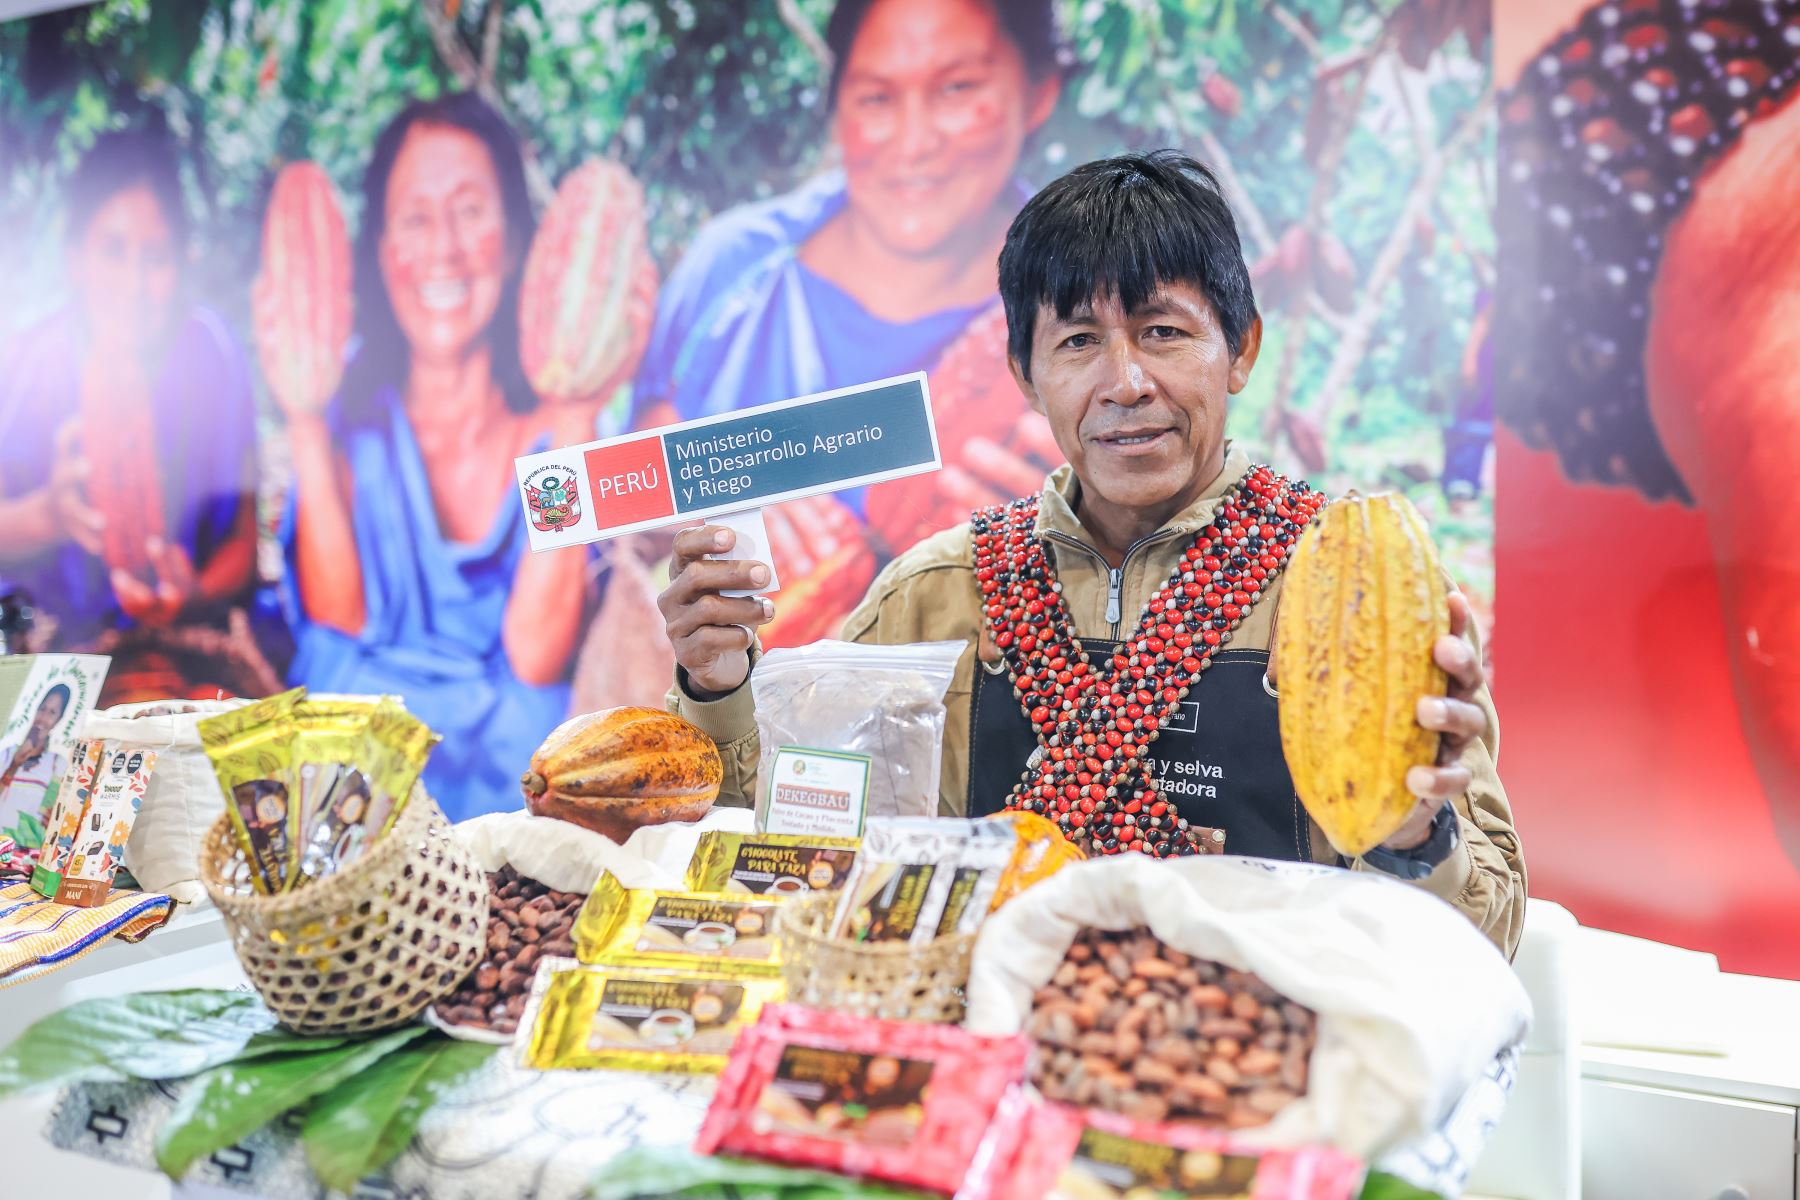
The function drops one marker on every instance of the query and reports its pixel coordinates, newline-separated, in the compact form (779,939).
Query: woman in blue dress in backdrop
(407,563)
(874,269)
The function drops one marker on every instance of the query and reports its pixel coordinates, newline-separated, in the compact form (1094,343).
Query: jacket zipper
(1115,575)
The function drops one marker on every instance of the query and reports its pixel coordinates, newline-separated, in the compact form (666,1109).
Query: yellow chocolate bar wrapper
(629,1019)
(395,746)
(770,863)
(328,737)
(251,750)
(1042,852)
(684,931)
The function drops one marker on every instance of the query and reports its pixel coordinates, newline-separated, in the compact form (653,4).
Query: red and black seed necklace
(1092,773)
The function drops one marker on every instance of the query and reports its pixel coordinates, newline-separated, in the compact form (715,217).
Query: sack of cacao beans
(1294,1004)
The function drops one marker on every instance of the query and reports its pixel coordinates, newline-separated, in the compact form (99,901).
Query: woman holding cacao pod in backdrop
(127,435)
(874,270)
(408,570)
(1650,163)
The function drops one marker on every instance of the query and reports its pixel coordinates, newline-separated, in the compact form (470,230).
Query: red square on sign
(629,482)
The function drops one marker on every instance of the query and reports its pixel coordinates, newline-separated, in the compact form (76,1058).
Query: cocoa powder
(1130,1025)
(528,922)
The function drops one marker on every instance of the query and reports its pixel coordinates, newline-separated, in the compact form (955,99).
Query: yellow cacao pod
(620,769)
(1362,604)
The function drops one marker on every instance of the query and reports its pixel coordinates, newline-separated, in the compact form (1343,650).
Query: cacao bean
(1209,996)
(1154,968)
(1223,1027)
(1259,1061)
(1222,1070)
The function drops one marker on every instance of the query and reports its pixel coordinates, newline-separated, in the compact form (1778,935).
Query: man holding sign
(1130,323)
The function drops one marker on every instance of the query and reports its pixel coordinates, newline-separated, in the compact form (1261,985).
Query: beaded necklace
(1092,773)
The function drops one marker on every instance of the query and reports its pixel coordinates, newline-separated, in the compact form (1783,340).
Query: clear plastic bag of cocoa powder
(883,701)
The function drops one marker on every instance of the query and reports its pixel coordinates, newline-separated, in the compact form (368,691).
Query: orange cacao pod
(815,607)
(589,293)
(619,769)
(973,395)
(305,304)
(1363,604)
(124,483)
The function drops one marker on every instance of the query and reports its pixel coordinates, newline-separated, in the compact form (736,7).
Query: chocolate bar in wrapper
(624,1018)
(771,863)
(120,782)
(252,753)
(688,931)
(395,746)
(328,736)
(64,821)
(919,878)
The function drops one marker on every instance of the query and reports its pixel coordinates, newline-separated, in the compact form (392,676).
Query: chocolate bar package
(628,1018)
(721,932)
(779,863)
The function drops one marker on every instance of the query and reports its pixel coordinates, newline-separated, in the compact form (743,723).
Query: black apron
(1220,761)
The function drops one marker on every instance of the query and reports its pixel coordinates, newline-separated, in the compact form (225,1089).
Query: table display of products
(938,1006)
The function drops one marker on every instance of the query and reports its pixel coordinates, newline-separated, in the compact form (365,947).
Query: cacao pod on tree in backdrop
(303,304)
(124,481)
(973,396)
(625,655)
(1222,94)
(619,769)
(812,608)
(589,292)
(1334,273)
(1362,606)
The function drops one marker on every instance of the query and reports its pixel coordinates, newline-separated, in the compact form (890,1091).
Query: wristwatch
(1424,858)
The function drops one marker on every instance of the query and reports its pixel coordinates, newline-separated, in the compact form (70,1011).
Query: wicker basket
(883,979)
(369,947)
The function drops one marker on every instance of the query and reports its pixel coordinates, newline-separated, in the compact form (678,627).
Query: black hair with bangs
(1123,227)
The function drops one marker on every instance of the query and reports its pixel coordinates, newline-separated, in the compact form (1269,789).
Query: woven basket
(881,979)
(366,948)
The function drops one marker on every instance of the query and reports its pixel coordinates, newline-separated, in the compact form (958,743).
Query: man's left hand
(1459,721)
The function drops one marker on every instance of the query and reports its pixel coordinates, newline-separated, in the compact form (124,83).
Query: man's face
(1137,400)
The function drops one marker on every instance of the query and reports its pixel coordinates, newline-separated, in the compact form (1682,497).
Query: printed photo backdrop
(257,416)
(1649,555)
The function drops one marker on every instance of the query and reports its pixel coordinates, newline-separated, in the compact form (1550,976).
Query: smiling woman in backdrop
(406,545)
(873,269)
(127,435)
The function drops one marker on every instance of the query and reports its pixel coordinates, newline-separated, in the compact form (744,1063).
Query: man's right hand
(712,634)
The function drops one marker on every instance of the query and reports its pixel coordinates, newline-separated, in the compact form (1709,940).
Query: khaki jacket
(928,594)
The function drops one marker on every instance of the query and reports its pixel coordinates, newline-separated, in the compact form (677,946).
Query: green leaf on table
(146,1035)
(363,1123)
(677,1171)
(233,1101)
(1381,1186)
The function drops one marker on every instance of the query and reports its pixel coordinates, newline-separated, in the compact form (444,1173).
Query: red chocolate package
(897,1101)
(1036,1150)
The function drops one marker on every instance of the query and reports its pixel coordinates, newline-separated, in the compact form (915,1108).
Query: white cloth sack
(1413,1002)
(569,858)
(183,798)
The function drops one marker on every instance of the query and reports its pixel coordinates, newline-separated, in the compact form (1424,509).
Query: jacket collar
(1062,492)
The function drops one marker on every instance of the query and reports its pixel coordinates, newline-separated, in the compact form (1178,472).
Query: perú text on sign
(741,460)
